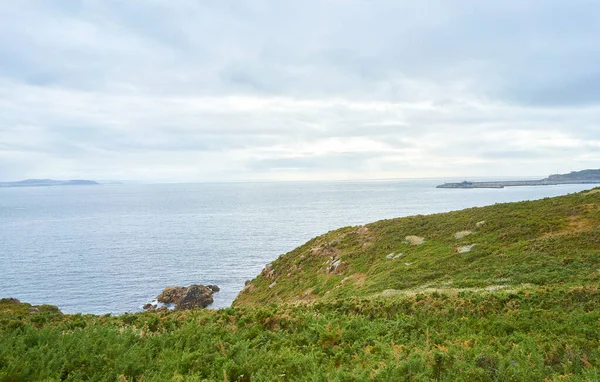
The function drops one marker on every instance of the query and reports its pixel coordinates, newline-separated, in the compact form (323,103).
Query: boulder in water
(184,298)
(172,294)
(197,296)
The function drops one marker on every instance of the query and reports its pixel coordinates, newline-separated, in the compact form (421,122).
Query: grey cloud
(569,92)
(354,48)
(329,162)
(108,87)
(511,154)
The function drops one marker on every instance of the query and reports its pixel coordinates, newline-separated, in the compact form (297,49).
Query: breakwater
(515,183)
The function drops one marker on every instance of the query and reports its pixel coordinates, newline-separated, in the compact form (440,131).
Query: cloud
(150,90)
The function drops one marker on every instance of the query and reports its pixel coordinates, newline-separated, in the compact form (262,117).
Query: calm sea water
(112,248)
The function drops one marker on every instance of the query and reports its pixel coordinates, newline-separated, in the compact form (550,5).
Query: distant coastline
(574,177)
(48,182)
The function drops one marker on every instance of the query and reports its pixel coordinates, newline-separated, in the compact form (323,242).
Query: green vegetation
(522,305)
(548,242)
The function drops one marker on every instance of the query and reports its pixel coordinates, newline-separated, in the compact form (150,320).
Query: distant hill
(49,182)
(574,177)
(585,175)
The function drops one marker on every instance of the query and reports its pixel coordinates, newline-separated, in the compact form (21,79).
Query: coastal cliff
(510,246)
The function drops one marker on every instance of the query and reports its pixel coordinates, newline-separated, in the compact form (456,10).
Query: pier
(515,183)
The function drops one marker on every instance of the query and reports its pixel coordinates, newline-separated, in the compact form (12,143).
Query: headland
(575,177)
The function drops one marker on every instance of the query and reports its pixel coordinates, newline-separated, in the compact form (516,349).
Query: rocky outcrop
(326,249)
(394,256)
(13,305)
(465,248)
(171,295)
(154,308)
(197,296)
(268,271)
(184,298)
(414,240)
(335,265)
(462,234)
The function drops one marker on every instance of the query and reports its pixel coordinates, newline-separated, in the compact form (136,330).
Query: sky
(174,91)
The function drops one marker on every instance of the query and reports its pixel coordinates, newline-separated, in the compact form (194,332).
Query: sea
(114,247)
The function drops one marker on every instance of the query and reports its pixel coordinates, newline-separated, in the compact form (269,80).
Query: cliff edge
(553,241)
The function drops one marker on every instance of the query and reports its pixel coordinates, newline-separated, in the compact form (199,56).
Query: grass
(535,334)
(522,305)
(554,241)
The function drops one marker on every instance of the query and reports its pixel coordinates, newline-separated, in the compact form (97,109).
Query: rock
(172,295)
(184,298)
(155,309)
(296,268)
(325,250)
(248,288)
(336,266)
(247,282)
(461,234)
(272,284)
(393,256)
(10,300)
(480,224)
(197,296)
(268,271)
(12,303)
(414,240)
(465,249)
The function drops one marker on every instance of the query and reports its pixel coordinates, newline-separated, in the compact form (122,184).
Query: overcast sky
(163,90)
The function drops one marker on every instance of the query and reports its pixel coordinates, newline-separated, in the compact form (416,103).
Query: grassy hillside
(514,246)
(522,305)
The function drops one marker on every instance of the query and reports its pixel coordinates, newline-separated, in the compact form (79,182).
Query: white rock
(461,234)
(414,240)
(465,249)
